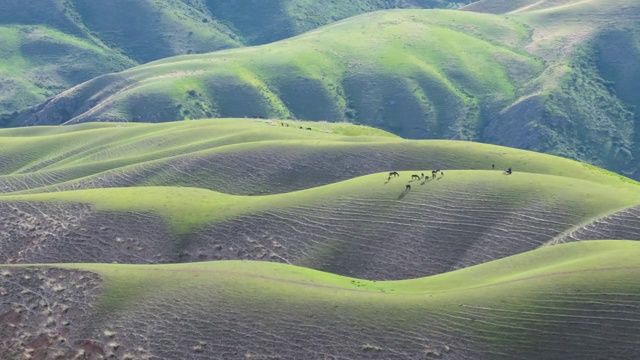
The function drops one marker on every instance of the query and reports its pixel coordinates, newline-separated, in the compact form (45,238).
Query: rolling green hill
(107,231)
(243,156)
(554,77)
(365,227)
(576,300)
(161,193)
(48,46)
(400,80)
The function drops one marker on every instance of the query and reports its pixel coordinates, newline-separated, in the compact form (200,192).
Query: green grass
(30,73)
(576,262)
(519,301)
(103,37)
(425,74)
(71,154)
(465,58)
(576,299)
(187,209)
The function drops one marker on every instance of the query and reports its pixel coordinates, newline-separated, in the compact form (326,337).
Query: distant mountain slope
(551,76)
(37,62)
(55,44)
(423,75)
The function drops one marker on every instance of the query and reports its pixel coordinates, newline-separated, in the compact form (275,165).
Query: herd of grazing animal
(434,174)
(416,177)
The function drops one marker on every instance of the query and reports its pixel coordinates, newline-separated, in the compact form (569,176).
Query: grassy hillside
(169,196)
(400,80)
(37,62)
(550,76)
(366,227)
(51,45)
(242,156)
(318,211)
(574,300)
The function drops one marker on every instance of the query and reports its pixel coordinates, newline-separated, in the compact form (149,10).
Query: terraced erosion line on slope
(623,224)
(552,303)
(366,227)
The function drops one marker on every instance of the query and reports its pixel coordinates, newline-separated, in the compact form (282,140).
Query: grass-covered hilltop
(48,46)
(550,76)
(245,238)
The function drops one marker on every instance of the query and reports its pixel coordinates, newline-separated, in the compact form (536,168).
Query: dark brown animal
(394,174)
(415,177)
(408,187)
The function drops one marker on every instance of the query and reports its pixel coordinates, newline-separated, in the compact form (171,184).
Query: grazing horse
(394,174)
(415,177)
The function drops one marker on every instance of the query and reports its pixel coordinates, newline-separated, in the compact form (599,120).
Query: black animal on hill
(394,174)
(415,177)
(408,187)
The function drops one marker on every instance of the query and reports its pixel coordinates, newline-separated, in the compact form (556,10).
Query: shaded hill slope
(366,227)
(51,45)
(554,77)
(576,300)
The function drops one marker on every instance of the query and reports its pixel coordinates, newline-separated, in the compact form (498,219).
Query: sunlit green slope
(370,226)
(242,156)
(576,300)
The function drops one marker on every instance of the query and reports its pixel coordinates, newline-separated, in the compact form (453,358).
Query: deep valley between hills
(329,183)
